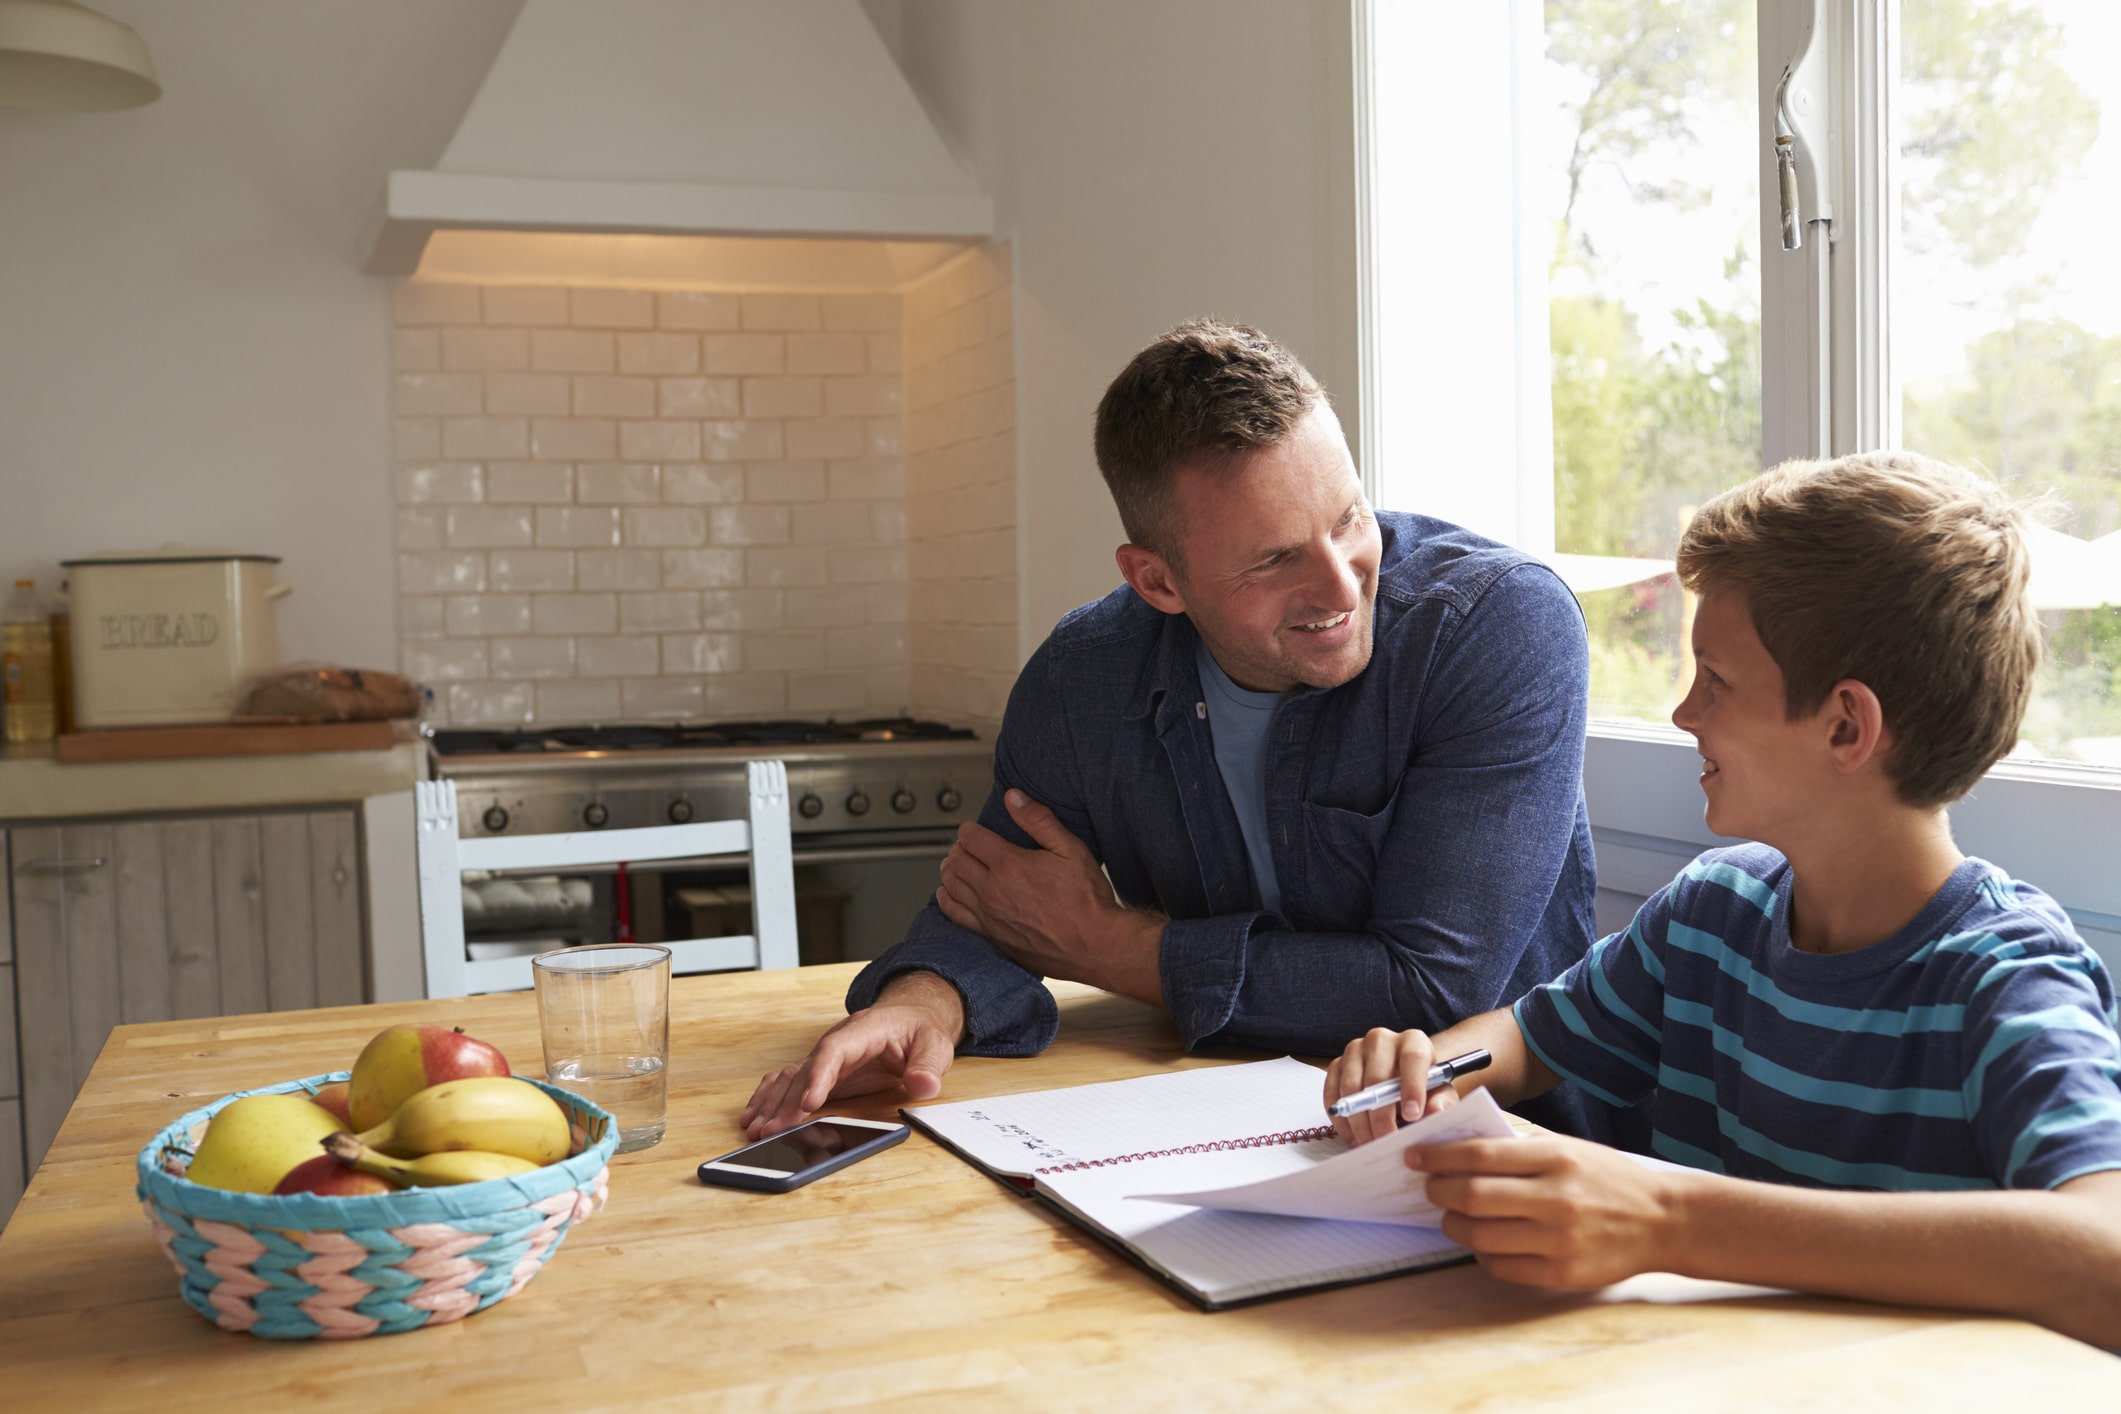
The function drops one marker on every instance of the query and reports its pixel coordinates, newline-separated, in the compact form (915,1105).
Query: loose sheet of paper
(1371,1184)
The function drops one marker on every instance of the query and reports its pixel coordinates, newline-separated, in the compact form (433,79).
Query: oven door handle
(865,853)
(827,854)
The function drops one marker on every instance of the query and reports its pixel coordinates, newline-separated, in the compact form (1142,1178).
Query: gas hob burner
(825,733)
(552,741)
(907,729)
(564,741)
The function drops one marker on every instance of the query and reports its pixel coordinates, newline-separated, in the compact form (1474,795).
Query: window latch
(1802,152)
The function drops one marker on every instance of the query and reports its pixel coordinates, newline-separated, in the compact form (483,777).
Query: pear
(401,1061)
(255,1142)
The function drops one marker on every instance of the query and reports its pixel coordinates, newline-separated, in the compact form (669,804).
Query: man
(1330,761)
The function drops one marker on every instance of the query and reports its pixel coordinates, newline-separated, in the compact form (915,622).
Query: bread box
(169,636)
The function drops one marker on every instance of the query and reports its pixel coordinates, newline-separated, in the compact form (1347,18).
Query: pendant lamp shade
(65,58)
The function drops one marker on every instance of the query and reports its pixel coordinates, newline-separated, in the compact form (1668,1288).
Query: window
(1580,318)
(2006,308)
(1653,303)
(1601,182)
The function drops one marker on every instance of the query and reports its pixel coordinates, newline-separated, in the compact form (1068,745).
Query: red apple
(334,1097)
(327,1176)
(403,1060)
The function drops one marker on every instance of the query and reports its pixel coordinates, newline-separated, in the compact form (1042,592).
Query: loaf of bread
(306,692)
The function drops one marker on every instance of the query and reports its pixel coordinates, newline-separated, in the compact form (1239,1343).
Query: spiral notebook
(1225,1181)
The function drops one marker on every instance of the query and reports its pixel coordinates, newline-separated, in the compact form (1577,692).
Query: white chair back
(443,858)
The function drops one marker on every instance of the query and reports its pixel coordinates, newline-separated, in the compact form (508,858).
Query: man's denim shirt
(1427,817)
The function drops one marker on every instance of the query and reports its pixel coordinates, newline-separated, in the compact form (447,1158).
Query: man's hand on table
(908,1039)
(1051,909)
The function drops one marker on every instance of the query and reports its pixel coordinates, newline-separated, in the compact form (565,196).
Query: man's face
(1280,556)
(1764,774)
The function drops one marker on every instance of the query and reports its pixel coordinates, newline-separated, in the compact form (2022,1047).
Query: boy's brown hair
(1206,389)
(1904,573)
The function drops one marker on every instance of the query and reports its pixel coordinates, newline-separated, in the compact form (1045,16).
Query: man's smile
(1323,625)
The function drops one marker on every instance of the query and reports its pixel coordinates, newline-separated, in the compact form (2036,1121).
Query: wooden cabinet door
(158,920)
(11,1169)
(66,966)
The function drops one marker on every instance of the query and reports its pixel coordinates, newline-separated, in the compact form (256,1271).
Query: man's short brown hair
(1205,390)
(1904,573)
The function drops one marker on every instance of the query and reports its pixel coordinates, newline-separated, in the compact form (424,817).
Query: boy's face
(1766,776)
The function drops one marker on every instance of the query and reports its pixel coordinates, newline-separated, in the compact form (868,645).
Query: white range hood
(691,118)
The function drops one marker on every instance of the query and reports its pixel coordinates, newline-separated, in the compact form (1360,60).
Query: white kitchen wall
(961,488)
(1151,161)
(188,350)
(632,504)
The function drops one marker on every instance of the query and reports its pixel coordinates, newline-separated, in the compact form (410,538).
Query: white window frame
(1826,356)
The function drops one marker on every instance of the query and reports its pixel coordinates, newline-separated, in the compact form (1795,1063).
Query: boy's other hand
(1378,1056)
(1550,1212)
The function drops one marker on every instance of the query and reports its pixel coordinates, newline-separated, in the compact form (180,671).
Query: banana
(429,1170)
(495,1113)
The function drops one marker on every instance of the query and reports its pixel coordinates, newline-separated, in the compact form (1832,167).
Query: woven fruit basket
(303,1265)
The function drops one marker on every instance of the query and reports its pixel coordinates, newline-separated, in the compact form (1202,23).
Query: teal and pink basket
(303,1266)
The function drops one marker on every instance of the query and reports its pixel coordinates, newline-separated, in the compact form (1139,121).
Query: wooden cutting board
(280,739)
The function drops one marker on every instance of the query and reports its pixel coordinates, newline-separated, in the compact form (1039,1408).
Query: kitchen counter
(910,1280)
(36,786)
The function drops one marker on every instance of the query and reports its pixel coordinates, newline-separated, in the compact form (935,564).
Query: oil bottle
(26,661)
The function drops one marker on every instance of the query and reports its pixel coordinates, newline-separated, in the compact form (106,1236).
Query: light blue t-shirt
(1238,720)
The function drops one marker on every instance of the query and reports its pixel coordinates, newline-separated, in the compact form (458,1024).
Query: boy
(1849,1004)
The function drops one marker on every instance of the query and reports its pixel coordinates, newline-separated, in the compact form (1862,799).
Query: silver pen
(1376,1097)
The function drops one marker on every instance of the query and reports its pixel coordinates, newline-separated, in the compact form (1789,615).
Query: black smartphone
(794,1157)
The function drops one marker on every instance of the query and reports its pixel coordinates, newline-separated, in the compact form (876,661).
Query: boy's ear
(1856,732)
(1152,577)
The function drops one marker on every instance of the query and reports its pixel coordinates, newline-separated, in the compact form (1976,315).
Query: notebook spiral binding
(1257,1141)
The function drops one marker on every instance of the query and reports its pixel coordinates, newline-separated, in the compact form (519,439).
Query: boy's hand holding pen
(1367,1095)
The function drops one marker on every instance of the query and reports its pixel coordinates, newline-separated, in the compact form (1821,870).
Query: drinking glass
(604,1016)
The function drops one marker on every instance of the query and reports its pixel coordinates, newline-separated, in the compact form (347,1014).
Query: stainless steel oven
(875,806)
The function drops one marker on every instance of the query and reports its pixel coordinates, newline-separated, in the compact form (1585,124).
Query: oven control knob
(902,801)
(858,804)
(495,819)
(594,815)
(948,799)
(680,811)
(810,807)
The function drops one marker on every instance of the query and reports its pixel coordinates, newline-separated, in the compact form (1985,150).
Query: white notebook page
(1018,1134)
(1231,1256)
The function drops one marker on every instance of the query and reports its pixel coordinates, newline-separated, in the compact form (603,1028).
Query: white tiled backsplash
(621,504)
(961,486)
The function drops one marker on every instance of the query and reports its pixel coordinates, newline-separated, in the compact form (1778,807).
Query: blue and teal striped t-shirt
(1973,1049)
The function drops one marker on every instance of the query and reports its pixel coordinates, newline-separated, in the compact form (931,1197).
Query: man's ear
(1856,730)
(1152,577)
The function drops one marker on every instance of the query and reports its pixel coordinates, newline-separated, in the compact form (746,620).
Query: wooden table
(907,1279)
